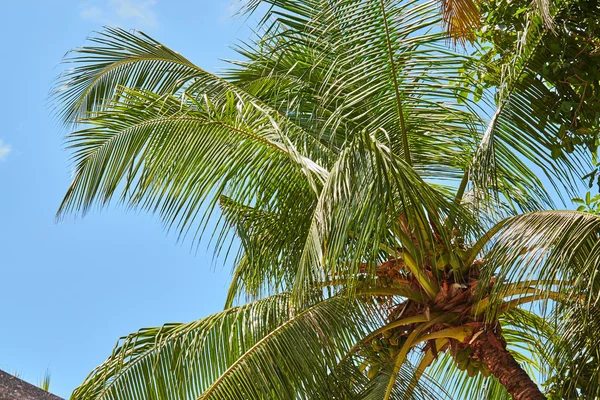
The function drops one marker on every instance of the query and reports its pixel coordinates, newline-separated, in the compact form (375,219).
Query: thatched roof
(13,388)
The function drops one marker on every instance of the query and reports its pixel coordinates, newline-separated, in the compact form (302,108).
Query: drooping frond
(259,350)
(271,245)
(182,360)
(173,155)
(123,60)
(549,254)
(116,59)
(294,360)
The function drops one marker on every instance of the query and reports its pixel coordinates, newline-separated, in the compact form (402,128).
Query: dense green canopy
(392,197)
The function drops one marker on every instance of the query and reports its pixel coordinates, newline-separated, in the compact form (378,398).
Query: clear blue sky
(69,290)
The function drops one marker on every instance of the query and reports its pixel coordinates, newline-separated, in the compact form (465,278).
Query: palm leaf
(354,69)
(259,350)
(171,156)
(462,19)
(118,59)
(573,353)
(271,245)
(559,250)
(182,360)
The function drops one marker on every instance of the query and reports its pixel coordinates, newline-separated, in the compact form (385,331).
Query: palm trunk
(493,353)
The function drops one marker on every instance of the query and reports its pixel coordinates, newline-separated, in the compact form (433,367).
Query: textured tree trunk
(493,353)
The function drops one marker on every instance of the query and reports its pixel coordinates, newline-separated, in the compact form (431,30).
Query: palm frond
(182,360)
(346,68)
(259,350)
(174,155)
(271,245)
(558,251)
(462,19)
(116,59)
(573,352)
(296,359)
(328,66)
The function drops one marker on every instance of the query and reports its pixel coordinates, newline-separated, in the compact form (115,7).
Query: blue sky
(69,290)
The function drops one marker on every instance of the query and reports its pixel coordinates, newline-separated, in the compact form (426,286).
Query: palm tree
(396,239)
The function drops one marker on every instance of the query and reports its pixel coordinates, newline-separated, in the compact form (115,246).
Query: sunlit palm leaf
(182,360)
(559,249)
(259,350)
(119,58)
(173,156)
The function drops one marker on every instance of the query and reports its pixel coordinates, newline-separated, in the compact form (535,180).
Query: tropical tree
(395,222)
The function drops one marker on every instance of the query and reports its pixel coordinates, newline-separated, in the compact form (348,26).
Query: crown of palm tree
(395,238)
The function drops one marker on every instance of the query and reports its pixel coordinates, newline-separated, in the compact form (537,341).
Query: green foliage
(576,372)
(567,61)
(384,218)
(589,204)
(45,382)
